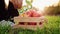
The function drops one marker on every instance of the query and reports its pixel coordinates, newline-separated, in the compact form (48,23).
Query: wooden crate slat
(27,19)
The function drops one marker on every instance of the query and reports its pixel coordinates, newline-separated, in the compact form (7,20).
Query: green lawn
(51,27)
(53,21)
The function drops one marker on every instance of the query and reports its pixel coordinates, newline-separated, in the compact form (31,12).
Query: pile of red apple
(32,13)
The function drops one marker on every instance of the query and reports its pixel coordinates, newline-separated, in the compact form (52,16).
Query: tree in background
(53,10)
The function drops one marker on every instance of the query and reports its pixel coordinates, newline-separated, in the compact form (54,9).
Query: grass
(53,21)
(52,27)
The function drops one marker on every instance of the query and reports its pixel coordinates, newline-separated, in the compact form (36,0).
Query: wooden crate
(28,19)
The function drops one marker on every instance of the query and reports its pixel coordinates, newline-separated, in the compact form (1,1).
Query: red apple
(32,23)
(21,23)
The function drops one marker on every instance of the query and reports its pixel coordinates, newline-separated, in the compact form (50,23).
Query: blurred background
(46,6)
